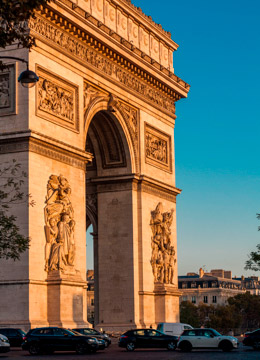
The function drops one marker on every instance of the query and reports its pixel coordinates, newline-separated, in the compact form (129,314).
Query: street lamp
(27,78)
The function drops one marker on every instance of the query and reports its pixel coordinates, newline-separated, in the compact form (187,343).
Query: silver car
(206,339)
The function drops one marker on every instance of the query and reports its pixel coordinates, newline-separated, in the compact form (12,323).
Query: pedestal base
(166,303)
(66,299)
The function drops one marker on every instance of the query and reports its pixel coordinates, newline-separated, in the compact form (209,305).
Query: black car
(147,338)
(15,336)
(252,339)
(101,343)
(96,333)
(50,339)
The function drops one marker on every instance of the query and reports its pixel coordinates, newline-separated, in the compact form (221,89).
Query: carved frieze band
(8,91)
(47,150)
(108,65)
(57,100)
(158,150)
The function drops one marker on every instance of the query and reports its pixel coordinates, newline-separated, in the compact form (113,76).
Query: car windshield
(215,332)
(160,332)
(71,332)
(95,332)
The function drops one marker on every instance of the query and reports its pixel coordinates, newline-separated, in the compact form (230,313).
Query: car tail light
(24,338)
(123,337)
(246,335)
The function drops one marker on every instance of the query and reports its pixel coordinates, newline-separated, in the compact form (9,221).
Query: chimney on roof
(201,272)
(228,274)
(218,273)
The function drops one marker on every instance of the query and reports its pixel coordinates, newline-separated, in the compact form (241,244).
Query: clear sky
(217,129)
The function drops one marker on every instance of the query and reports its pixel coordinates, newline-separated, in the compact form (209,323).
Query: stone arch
(122,115)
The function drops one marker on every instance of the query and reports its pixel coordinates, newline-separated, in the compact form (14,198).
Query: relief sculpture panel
(158,148)
(59,225)
(57,100)
(163,253)
(7,91)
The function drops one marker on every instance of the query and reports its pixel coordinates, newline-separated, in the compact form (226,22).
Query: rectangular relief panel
(158,148)
(57,100)
(8,90)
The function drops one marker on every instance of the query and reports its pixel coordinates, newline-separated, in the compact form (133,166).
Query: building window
(184,285)
(205,284)
(193,285)
(184,298)
(92,302)
(205,299)
(214,299)
(214,284)
(193,299)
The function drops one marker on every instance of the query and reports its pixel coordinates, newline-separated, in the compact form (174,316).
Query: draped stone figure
(163,254)
(59,225)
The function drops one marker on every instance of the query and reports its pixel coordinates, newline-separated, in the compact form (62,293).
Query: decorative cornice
(138,183)
(127,9)
(27,142)
(85,48)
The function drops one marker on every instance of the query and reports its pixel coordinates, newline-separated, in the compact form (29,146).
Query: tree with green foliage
(220,317)
(189,314)
(248,307)
(12,242)
(253,263)
(14,16)
(223,318)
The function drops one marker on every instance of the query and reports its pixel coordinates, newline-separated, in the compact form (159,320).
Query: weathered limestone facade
(107,91)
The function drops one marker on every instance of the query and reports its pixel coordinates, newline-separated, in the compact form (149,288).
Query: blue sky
(217,129)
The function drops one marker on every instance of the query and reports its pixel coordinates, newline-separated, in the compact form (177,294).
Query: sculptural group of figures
(59,225)
(56,100)
(163,253)
(156,148)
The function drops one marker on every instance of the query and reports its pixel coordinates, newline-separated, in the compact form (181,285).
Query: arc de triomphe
(96,138)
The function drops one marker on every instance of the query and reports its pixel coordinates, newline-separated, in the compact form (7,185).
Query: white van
(175,329)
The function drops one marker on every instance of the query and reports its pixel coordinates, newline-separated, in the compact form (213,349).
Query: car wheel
(34,349)
(106,344)
(80,348)
(185,346)
(130,346)
(226,346)
(256,345)
(171,346)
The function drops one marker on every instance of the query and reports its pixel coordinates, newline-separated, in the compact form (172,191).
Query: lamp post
(27,78)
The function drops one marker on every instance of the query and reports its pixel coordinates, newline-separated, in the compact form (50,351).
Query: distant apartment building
(215,287)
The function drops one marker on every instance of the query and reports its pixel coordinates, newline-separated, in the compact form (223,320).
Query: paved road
(114,352)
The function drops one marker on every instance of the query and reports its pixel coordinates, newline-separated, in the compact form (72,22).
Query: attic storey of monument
(96,137)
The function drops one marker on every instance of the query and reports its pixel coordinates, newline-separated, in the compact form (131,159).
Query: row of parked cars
(50,339)
(188,340)
(184,337)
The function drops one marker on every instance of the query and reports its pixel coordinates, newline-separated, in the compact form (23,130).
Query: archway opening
(107,142)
